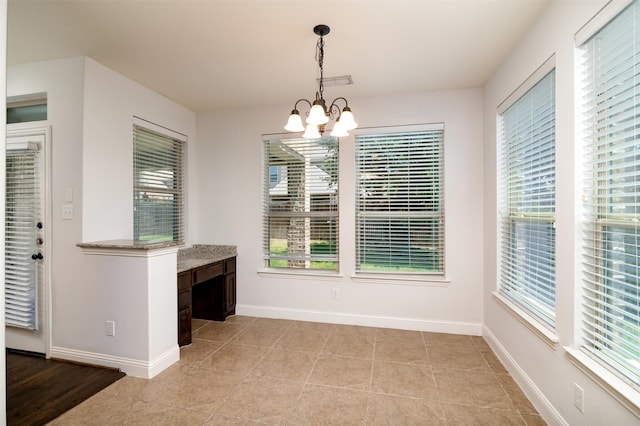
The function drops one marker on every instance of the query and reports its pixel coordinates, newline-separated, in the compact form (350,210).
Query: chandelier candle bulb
(319,115)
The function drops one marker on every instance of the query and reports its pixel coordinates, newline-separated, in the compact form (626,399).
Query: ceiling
(213,54)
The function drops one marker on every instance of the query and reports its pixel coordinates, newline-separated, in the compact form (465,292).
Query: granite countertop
(128,245)
(203,254)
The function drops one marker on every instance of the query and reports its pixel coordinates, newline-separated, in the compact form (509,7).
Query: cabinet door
(184,326)
(230,294)
(184,281)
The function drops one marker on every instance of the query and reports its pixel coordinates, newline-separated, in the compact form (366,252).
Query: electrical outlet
(335,293)
(578,397)
(111,328)
(67,211)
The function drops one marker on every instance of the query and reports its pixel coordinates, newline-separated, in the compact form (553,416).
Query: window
(23,210)
(32,107)
(301,203)
(400,201)
(526,133)
(611,290)
(158,205)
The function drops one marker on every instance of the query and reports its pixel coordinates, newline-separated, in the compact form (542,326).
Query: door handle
(37,256)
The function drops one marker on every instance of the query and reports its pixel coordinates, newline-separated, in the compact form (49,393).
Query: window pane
(301,203)
(527,200)
(399,189)
(22,212)
(22,114)
(399,244)
(611,303)
(531,279)
(157,186)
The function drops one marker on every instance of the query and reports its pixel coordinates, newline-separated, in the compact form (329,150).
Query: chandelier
(319,115)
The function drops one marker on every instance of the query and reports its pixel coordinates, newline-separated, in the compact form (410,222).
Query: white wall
(110,102)
(90,110)
(62,81)
(546,373)
(229,203)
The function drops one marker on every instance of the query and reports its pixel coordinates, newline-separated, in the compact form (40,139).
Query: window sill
(418,280)
(546,335)
(612,384)
(293,273)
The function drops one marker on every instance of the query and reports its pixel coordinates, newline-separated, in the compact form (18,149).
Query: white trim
(132,367)
(129,252)
(535,395)
(546,335)
(416,324)
(599,20)
(612,384)
(309,274)
(150,125)
(401,128)
(396,279)
(528,83)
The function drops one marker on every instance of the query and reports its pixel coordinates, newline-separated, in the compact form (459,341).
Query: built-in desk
(206,286)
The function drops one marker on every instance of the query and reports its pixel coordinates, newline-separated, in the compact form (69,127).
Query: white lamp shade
(339,131)
(346,118)
(317,115)
(312,132)
(295,123)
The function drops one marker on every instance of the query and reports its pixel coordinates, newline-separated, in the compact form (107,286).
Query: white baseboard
(537,398)
(131,367)
(467,328)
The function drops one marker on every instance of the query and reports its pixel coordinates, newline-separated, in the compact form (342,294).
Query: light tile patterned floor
(249,371)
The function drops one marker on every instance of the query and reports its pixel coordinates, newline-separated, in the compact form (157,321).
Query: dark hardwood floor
(39,389)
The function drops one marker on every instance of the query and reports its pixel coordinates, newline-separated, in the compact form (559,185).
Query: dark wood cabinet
(230,287)
(184,326)
(184,308)
(206,292)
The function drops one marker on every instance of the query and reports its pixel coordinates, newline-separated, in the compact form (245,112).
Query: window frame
(593,354)
(522,298)
(177,188)
(411,277)
(326,259)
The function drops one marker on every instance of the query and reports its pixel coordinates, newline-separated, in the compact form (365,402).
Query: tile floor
(249,371)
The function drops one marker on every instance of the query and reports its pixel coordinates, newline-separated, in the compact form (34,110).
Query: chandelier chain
(320,60)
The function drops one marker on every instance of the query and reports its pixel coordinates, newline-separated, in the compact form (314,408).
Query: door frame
(32,129)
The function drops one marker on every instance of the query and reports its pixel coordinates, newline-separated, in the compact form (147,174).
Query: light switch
(67,211)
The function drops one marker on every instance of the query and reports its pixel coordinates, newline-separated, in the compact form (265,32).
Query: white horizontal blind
(400,202)
(22,209)
(527,200)
(158,186)
(301,203)
(611,285)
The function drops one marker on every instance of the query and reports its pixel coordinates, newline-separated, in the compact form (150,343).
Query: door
(26,237)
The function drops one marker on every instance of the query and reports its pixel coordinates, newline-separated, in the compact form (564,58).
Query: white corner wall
(229,211)
(90,110)
(110,103)
(545,373)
